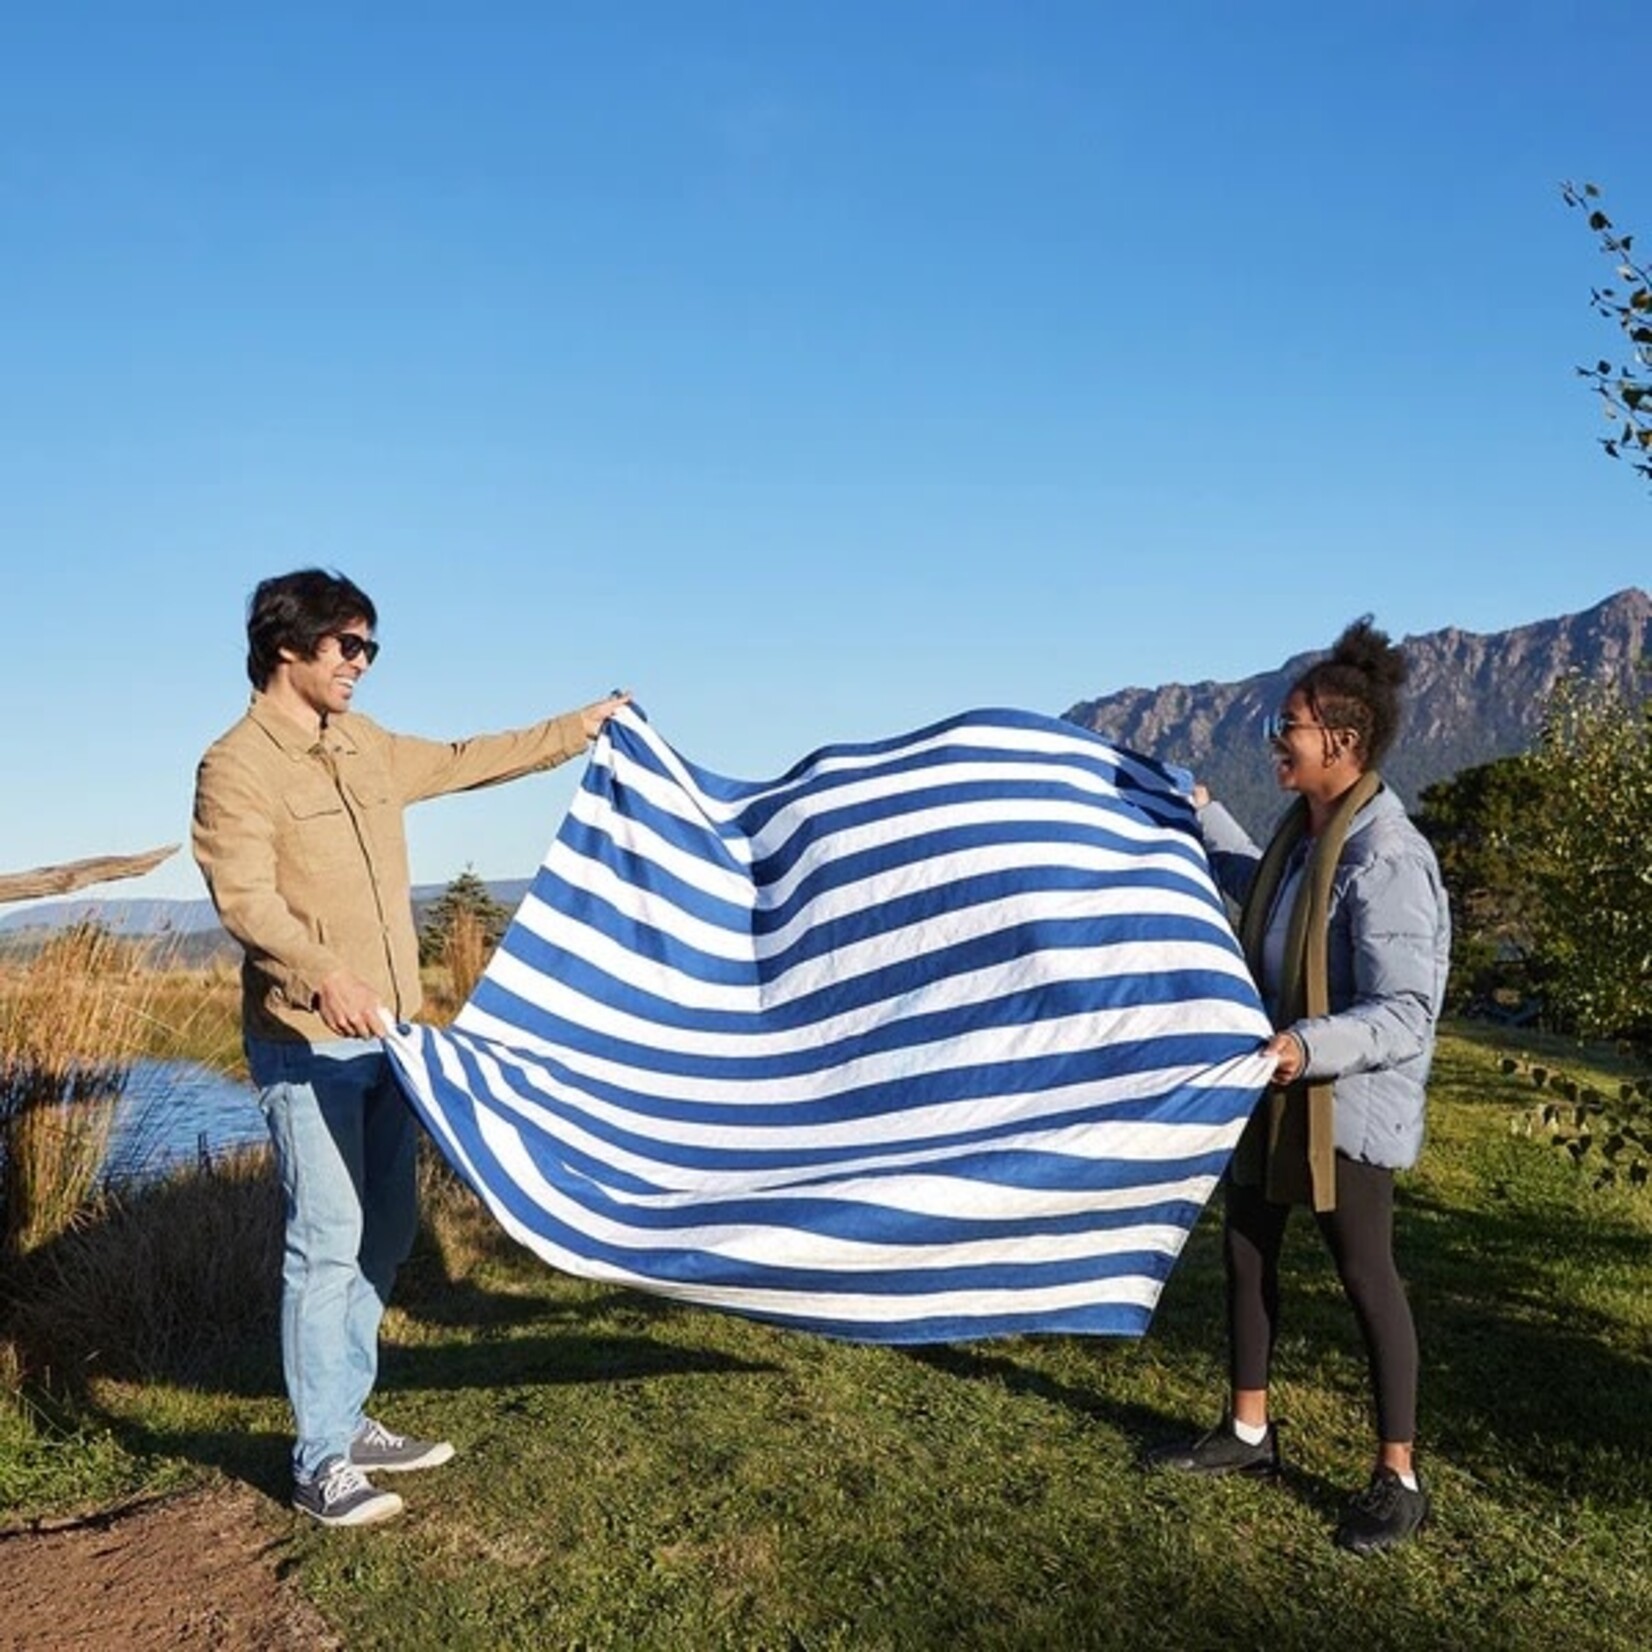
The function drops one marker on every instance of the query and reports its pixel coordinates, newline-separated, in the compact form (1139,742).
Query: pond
(179,1112)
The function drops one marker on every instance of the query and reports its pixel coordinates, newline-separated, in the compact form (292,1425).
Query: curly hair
(1357,686)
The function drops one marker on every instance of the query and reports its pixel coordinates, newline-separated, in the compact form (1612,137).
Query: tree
(1477,822)
(463,913)
(1589,856)
(1549,866)
(1625,390)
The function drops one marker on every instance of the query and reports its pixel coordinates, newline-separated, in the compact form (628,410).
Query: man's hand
(598,713)
(1291,1055)
(348,1005)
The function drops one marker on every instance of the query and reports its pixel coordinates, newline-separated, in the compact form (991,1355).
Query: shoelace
(344,1481)
(374,1433)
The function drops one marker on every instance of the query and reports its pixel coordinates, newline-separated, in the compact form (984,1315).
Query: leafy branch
(1625,390)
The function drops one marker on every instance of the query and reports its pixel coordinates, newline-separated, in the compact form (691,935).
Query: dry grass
(72,1020)
(175,1281)
(466,951)
(449,981)
(74,1015)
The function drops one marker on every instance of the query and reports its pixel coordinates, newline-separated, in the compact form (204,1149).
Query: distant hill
(1470,699)
(192,926)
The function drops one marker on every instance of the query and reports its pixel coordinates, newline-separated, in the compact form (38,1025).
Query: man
(298,831)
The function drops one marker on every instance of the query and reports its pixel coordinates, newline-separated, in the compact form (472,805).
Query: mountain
(1470,699)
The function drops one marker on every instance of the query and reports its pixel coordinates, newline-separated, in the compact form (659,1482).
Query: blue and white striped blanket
(940,1037)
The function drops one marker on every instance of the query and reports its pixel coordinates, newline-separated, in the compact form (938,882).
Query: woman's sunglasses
(1278,726)
(351,646)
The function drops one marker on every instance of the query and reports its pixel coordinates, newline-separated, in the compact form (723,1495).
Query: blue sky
(814,370)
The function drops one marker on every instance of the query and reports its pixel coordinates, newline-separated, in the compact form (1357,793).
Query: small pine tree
(464,905)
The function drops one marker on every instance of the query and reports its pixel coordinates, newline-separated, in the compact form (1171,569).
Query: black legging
(1360,1234)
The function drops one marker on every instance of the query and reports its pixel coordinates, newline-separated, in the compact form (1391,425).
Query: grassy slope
(634,1475)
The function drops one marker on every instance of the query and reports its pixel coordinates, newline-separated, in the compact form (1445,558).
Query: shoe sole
(1245,1471)
(438,1454)
(1364,1549)
(1249,1471)
(369,1514)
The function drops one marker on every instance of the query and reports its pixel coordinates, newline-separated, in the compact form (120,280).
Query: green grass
(635,1475)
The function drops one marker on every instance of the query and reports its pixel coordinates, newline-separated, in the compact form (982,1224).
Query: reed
(173,1280)
(72,1019)
(466,948)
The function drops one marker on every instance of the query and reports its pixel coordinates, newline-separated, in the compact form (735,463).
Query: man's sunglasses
(351,646)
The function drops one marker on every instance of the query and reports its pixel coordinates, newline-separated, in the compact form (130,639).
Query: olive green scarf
(1289,1146)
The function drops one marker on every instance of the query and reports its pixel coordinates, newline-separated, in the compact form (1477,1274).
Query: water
(173,1112)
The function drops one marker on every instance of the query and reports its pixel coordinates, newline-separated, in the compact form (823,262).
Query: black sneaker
(377,1451)
(341,1495)
(1221,1451)
(1387,1513)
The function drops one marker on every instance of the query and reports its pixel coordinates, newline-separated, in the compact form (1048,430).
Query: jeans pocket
(269,1062)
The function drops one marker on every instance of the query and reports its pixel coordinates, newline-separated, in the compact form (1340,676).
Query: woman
(1345,925)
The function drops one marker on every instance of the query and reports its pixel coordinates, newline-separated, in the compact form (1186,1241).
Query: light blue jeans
(346,1146)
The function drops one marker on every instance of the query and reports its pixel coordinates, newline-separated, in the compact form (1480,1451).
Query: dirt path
(183,1574)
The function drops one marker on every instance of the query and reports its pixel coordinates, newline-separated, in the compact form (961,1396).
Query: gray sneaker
(376,1450)
(341,1495)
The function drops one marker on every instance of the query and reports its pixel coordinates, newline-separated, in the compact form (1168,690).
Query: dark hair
(1357,686)
(295,611)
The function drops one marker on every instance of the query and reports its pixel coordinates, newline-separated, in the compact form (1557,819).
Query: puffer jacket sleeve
(1233,857)
(1393,905)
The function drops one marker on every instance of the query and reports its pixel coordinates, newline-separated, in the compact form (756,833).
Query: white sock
(1409,1480)
(1251,1433)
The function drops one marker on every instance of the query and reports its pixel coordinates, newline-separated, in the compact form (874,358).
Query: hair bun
(1364,648)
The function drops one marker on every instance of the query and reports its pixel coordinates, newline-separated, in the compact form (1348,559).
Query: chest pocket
(368,791)
(322,839)
(313,803)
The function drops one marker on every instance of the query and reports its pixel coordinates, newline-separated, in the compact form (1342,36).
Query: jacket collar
(295,741)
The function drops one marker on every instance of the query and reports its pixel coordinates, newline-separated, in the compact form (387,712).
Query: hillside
(1471,698)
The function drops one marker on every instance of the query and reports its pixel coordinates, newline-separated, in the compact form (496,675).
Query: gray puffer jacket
(1389,949)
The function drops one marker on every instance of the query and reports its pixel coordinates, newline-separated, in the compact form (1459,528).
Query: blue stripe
(1180,1104)
(1040,1002)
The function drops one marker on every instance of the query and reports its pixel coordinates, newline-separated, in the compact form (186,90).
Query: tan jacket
(302,845)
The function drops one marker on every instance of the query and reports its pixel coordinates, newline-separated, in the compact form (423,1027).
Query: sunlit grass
(637,1475)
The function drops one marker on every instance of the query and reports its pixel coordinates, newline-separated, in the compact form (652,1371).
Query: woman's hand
(1290,1055)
